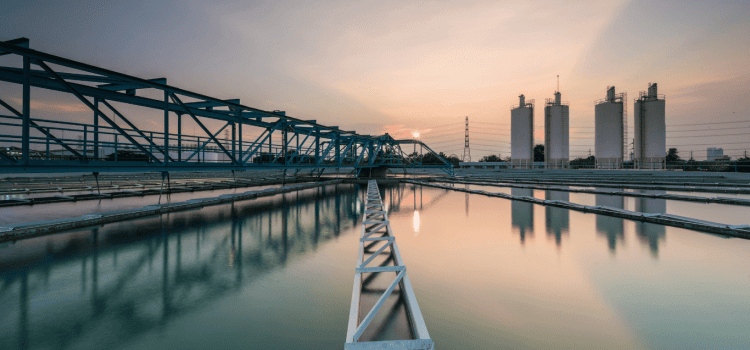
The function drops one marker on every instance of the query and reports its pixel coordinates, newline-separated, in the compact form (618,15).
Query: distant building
(714,153)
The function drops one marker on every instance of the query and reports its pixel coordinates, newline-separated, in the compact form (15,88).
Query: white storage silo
(522,134)
(610,130)
(650,130)
(556,133)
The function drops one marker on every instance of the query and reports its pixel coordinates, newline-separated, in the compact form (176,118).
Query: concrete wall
(557,136)
(650,133)
(608,134)
(522,136)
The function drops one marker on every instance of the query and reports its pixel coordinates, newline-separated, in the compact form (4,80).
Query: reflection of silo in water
(557,219)
(609,226)
(651,233)
(522,213)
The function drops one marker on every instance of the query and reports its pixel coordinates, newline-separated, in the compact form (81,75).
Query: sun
(416,135)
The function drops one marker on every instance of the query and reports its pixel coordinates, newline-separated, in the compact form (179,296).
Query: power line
(442,126)
(735,128)
(674,137)
(742,121)
(488,123)
(714,144)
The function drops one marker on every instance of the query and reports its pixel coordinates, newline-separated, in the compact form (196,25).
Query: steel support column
(166,128)
(239,143)
(317,146)
(179,137)
(234,140)
(96,130)
(26,110)
(284,141)
(338,149)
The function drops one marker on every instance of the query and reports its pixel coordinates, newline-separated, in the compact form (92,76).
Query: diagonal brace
(207,141)
(96,110)
(259,144)
(179,102)
(132,126)
(43,130)
(378,304)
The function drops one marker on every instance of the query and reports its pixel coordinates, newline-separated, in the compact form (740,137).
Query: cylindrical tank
(650,130)
(522,134)
(556,133)
(609,131)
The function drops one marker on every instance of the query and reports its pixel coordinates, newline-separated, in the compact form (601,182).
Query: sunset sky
(402,67)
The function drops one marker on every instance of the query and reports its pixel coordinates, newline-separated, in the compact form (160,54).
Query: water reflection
(419,203)
(557,219)
(522,213)
(128,278)
(415,222)
(611,227)
(467,202)
(525,296)
(651,234)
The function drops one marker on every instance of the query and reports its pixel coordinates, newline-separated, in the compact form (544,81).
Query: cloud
(54,106)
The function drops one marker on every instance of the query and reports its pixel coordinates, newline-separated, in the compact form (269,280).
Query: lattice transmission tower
(467,150)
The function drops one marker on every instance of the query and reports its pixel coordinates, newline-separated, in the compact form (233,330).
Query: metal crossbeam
(121,87)
(356,327)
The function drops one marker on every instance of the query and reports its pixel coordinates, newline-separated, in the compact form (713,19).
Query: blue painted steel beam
(122,87)
(67,76)
(41,56)
(20,42)
(207,104)
(368,151)
(50,84)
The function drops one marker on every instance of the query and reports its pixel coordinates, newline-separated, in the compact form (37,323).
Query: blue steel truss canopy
(43,145)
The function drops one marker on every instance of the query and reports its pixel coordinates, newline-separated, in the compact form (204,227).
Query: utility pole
(467,150)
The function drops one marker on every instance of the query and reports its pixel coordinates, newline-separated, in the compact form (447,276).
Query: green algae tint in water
(276,273)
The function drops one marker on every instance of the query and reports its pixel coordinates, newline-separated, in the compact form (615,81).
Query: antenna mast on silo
(467,150)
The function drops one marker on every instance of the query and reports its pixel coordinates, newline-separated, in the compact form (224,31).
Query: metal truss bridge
(115,143)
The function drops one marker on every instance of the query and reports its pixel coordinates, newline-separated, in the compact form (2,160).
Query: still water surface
(276,273)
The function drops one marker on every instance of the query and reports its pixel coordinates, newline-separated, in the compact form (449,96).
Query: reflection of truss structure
(175,265)
(376,230)
(274,139)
